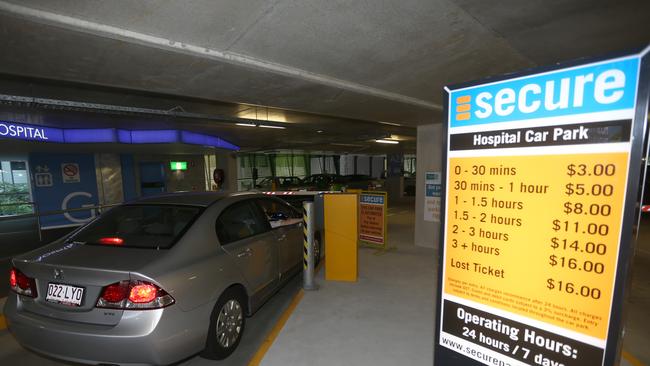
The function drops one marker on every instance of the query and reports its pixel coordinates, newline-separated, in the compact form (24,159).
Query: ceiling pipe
(116,109)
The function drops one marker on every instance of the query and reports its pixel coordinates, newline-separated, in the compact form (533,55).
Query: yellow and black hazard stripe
(305,244)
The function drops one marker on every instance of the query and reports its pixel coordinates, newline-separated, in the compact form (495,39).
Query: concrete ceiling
(379,60)
(73,105)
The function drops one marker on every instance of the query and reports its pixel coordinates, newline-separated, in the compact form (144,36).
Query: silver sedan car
(156,280)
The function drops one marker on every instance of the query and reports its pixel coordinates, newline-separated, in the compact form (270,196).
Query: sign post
(542,185)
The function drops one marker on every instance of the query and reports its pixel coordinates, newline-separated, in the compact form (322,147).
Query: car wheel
(226,325)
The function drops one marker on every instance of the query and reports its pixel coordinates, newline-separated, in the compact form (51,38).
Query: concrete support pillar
(395,188)
(108,170)
(429,159)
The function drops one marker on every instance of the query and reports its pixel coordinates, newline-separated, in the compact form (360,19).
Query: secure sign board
(594,88)
(542,185)
(372,218)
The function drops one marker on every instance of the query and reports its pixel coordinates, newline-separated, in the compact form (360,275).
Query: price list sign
(542,188)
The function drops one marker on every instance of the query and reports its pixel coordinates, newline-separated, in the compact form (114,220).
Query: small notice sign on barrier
(372,218)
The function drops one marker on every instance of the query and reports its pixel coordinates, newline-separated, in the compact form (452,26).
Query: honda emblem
(58,274)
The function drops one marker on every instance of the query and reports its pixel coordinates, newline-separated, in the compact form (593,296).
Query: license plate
(64,294)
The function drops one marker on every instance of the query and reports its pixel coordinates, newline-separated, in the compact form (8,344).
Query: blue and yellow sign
(599,87)
(540,200)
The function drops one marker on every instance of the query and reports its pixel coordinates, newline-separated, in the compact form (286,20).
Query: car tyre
(227,323)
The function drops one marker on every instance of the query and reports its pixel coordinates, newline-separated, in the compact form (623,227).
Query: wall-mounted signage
(27,132)
(73,187)
(542,188)
(178,165)
(70,173)
(42,176)
(432,192)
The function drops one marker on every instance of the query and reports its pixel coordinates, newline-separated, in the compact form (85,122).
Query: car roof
(203,199)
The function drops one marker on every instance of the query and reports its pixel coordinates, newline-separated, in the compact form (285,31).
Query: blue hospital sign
(24,132)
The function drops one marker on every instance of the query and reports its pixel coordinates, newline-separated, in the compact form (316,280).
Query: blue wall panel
(128,177)
(54,194)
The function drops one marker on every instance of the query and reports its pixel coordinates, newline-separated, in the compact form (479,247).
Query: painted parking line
(631,359)
(273,334)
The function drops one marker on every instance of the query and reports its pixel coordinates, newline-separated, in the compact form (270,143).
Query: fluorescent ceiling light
(387,142)
(390,124)
(347,145)
(246,124)
(270,126)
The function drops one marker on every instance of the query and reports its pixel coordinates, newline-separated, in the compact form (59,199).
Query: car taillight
(111,241)
(142,294)
(134,295)
(115,293)
(22,284)
(13,281)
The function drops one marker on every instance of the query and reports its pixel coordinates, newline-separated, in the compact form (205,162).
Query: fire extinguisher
(218,175)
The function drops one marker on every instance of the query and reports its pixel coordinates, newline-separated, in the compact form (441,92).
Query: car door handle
(245,253)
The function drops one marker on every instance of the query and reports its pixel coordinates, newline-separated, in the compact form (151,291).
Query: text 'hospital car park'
(317,183)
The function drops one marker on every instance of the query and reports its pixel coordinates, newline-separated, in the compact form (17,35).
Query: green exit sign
(178,165)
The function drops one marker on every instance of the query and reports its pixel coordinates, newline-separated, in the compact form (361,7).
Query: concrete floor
(386,318)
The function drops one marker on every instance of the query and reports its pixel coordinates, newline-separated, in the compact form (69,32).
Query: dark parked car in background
(281,183)
(156,280)
(360,181)
(323,182)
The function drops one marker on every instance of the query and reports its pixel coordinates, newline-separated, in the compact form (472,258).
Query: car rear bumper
(151,337)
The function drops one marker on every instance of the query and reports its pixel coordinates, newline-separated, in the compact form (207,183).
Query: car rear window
(239,221)
(139,226)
